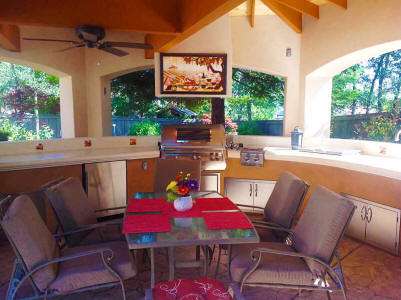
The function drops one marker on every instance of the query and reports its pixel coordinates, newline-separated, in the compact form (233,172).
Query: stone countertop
(378,165)
(71,157)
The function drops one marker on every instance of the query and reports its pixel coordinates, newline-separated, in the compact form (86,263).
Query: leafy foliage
(4,136)
(145,128)
(16,132)
(372,86)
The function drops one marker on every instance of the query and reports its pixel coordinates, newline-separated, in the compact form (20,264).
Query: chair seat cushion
(89,270)
(191,289)
(272,268)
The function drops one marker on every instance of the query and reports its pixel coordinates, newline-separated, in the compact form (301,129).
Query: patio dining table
(186,231)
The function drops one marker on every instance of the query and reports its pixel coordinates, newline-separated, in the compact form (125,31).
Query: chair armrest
(100,251)
(249,206)
(111,208)
(293,254)
(236,291)
(86,228)
(262,222)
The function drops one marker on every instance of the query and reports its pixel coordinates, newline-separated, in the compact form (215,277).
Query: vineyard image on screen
(193,74)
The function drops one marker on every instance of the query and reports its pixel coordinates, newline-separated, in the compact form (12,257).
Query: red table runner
(146,223)
(146,205)
(226,220)
(215,204)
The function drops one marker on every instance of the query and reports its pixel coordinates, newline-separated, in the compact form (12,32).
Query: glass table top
(189,231)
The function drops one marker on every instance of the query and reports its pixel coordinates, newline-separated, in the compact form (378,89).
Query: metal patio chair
(50,270)
(304,261)
(166,170)
(280,211)
(76,215)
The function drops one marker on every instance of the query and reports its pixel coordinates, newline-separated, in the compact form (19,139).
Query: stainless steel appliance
(252,157)
(106,186)
(193,141)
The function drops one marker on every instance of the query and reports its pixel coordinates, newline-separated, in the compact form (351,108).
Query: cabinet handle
(363,213)
(369,215)
(250,189)
(256,190)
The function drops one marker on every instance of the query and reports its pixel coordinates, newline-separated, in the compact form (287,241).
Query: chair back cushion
(194,289)
(322,226)
(31,239)
(285,200)
(71,204)
(167,170)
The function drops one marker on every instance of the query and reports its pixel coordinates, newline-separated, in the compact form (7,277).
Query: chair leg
(218,263)
(123,290)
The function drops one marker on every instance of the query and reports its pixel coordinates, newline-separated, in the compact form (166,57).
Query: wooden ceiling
(164,22)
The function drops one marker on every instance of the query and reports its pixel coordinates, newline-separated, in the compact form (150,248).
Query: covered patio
(227,181)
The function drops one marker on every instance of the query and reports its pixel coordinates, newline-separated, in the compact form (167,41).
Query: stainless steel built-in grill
(189,141)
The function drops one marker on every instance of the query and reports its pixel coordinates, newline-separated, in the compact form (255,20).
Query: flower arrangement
(182,184)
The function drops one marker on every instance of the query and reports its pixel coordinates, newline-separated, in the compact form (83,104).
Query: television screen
(193,73)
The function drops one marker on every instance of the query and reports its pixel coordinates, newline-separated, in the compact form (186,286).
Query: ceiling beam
(253,13)
(292,17)
(10,37)
(302,6)
(340,3)
(195,15)
(143,16)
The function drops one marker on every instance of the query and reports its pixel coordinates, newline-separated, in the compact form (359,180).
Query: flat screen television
(189,74)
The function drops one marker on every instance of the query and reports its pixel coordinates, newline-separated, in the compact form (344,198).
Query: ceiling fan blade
(72,47)
(114,51)
(128,45)
(51,40)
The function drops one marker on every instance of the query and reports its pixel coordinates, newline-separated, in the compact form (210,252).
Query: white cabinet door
(210,182)
(239,191)
(262,191)
(357,224)
(382,228)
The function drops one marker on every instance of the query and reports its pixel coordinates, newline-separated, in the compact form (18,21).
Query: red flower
(43,123)
(183,190)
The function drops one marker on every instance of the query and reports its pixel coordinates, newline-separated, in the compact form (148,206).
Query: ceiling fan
(91,37)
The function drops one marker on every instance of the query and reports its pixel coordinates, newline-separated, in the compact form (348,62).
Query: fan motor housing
(90,34)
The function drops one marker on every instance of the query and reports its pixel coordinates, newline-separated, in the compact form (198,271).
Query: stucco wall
(339,39)
(263,48)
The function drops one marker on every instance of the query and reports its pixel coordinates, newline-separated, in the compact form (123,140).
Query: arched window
(366,99)
(29,104)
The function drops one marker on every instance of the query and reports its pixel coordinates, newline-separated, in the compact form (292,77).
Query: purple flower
(193,184)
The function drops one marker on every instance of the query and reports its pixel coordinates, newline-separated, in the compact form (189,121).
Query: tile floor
(369,273)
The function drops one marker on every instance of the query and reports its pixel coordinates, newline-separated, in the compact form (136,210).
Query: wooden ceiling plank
(10,37)
(340,3)
(292,17)
(303,6)
(195,15)
(253,4)
(155,16)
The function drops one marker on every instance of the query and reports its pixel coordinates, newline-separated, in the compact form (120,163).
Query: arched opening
(319,87)
(256,107)
(366,100)
(36,102)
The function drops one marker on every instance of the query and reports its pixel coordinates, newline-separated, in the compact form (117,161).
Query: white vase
(183,203)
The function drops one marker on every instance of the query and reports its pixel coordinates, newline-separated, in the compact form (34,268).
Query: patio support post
(218,116)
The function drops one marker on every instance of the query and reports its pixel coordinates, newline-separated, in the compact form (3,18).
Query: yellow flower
(171,185)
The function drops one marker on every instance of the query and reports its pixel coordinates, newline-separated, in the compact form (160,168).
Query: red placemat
(194,212)
(226,220)
(146,223)
(146,205)
(215,204)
